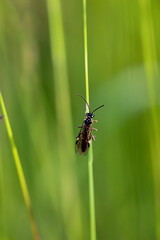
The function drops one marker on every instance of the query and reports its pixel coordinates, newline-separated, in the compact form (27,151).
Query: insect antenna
(84,100)
(98,108)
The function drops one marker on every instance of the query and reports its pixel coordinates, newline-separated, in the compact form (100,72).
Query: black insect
(85,135)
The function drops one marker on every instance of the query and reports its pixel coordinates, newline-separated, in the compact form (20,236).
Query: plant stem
(20,171)
(91,195)
(90,154)
(85,50)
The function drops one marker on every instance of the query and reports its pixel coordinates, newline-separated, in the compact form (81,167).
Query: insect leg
(77,139)
(93,138)
(80,126)
(94,120)
(94,129)
(76,144)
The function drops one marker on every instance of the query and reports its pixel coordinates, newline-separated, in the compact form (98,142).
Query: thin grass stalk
(20,171)
(66,156)
(86,50)
(90,154)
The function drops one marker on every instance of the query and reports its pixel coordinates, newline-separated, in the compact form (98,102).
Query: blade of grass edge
(20,171)
(90,154)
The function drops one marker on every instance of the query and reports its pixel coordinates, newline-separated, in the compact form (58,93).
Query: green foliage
(42,71)
(19,170)
(90,154)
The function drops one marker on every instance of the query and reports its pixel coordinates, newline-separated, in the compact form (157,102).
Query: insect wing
(79,143)
(82,145)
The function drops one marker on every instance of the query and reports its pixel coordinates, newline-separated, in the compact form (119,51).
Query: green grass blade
(90,154)
(91,194)
(66,155)
(19,171)
(85,49)
(151,69)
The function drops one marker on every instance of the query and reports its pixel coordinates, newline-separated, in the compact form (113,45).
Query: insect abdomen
(86,137)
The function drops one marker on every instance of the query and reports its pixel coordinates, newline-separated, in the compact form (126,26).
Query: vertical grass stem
(90,154)
(85,49)
(20,171)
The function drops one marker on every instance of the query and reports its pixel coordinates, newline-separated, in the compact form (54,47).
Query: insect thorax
(88,121)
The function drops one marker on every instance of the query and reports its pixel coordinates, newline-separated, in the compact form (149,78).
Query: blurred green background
(41,73)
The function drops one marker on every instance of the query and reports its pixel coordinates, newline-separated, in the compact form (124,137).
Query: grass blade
(91,195)
(66,155)
(151,69)
(19,171)
(90,154)
(85,50)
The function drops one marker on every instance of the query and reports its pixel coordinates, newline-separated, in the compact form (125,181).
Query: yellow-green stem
(19,171)
(91,195)
(90,154)
(85,50)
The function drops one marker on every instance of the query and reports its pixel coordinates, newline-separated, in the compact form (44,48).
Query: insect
(1,117)
(85,135)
